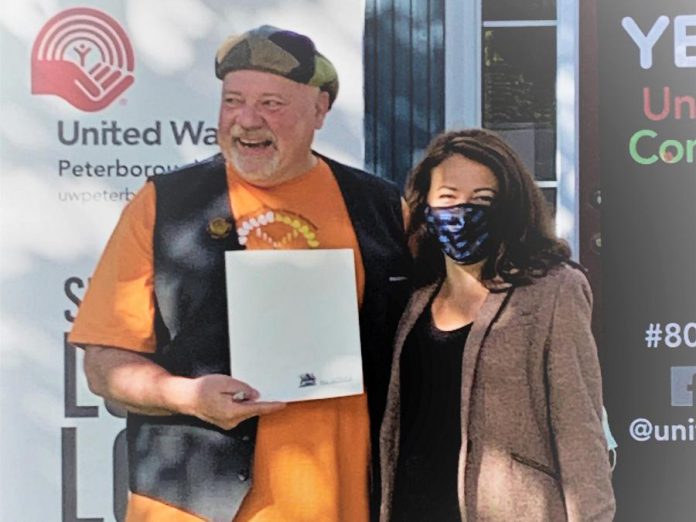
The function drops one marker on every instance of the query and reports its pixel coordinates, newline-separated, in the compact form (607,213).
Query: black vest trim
(188,463)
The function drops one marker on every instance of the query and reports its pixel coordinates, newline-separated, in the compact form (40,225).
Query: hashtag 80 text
(673,335)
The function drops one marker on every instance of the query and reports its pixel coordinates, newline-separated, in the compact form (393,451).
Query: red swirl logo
(84,56)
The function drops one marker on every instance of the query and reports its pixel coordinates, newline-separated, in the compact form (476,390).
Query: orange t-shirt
(311,459)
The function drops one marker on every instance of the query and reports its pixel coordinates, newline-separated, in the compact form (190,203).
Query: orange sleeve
(118,308)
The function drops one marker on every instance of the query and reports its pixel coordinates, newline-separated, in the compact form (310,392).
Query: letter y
(645,42)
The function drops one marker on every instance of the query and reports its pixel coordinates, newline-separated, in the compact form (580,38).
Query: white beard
(253,169)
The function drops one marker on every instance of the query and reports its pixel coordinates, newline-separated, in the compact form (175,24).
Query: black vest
(191,464)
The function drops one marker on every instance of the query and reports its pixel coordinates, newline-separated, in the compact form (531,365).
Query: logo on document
(83,56)
(307,379)
(683,385)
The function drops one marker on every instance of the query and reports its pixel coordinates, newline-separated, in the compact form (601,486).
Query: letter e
(683,40)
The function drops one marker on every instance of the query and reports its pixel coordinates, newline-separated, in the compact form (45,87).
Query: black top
(425,487)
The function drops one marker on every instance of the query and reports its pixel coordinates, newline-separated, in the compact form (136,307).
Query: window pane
(550,195)
(519,93)
(519,10)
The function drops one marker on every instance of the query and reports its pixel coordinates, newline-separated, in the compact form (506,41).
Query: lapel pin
(219,228)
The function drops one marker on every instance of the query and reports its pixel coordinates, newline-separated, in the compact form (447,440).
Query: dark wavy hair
(521,224)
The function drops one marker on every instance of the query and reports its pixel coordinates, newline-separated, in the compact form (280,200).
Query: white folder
(293,323)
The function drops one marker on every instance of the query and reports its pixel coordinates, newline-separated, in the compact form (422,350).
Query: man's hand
(144,387)
(225,402)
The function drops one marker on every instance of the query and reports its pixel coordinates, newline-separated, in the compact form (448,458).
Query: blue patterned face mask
(462,231)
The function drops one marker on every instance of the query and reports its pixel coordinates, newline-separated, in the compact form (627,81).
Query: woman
(495,401)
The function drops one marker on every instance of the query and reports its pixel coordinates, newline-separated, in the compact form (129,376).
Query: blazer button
(243,475)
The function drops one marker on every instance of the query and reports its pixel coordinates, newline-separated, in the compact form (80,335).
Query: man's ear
(322,108)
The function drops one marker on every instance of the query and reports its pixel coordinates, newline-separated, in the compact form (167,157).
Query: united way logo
(84,56)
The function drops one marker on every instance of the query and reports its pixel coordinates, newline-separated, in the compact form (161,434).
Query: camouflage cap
(280,52)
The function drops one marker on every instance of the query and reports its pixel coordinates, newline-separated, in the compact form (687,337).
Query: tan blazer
(531,404)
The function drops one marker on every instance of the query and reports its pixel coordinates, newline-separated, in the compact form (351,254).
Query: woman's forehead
(460,172)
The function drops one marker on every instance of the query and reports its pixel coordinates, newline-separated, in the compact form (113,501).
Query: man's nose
(249,118)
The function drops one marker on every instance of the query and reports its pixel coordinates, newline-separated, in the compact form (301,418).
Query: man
(153,322)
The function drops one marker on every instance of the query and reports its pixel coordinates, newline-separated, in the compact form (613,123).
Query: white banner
(132,94)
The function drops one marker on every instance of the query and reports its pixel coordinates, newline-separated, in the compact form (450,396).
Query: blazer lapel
(414,308)
(487,315)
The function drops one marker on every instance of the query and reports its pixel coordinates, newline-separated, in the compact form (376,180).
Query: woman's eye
(484,200)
